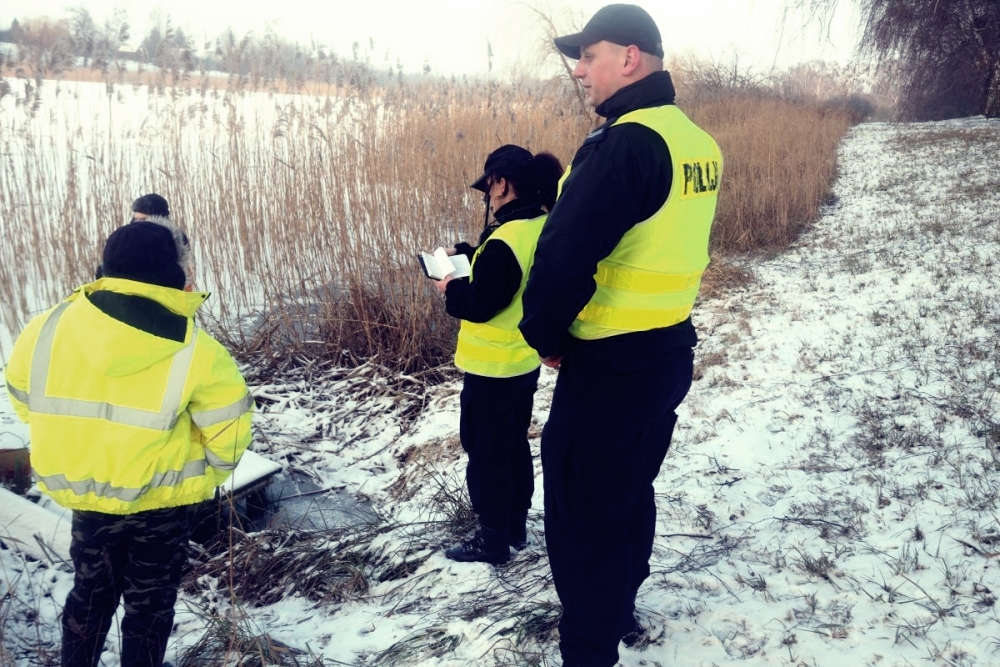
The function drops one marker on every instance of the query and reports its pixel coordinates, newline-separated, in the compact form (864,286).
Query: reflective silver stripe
(17,393)
(164,420)
(69,407)
(217,462)
(228,413)
(178,377)
(171,478)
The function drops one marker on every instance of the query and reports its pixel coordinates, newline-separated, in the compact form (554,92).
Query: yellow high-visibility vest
(496,348)
(123,421)
(651,278)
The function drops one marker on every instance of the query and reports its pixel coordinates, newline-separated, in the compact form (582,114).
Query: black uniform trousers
(139,557)
(608,431)
(496,414)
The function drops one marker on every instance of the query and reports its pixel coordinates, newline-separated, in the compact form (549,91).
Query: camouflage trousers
(136,557)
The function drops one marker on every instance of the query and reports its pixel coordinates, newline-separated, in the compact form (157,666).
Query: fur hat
(145,252)
(151,204)
(180,239)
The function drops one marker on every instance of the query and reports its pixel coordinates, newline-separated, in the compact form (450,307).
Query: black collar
(654,90)
(518,209)
(141,313)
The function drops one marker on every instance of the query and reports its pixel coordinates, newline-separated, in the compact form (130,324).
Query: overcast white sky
(452,35)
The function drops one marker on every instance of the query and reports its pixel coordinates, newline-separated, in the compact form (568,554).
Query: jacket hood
(114,348)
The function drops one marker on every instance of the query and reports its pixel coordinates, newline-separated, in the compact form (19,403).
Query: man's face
(599,70)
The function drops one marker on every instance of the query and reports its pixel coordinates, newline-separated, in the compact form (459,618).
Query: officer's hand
(442,285)
(552,362)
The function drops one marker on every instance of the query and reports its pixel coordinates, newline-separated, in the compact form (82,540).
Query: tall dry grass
(305,225)
(780,161)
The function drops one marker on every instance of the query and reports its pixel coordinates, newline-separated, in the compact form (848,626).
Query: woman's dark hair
(536,180)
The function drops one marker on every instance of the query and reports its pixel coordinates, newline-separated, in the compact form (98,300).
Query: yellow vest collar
(178,301)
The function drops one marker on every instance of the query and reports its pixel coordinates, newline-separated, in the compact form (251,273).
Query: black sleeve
(463,248)
(618,179)
(496,277)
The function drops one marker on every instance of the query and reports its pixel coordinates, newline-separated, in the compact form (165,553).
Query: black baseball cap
(619,24)
(503,161)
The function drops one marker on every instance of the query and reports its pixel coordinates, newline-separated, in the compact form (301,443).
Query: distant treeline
(48,47)
(167,55)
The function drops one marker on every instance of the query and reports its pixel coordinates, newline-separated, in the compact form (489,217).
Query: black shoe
(486,546)
(635,636)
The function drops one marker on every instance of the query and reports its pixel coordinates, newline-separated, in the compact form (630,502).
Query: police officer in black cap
(501,370)
(608,302)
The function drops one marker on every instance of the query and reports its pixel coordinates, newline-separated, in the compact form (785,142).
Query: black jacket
(497,274)
(621,176)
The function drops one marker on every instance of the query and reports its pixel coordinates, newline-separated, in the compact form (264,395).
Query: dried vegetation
(306,211)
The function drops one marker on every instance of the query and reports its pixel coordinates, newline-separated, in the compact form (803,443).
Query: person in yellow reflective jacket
(608,302)
(135,416)
(501,370)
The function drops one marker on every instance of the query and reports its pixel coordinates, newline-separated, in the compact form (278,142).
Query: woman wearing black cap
(501,370)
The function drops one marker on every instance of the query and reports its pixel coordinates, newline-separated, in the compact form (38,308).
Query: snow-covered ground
(830,498)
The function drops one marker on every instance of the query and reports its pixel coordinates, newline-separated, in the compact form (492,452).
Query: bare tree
(83,31)
(712,78)
(813,81)
(947,51)
(45,48)
(550,30)
(110,41)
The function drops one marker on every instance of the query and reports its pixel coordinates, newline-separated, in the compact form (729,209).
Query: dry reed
(306,211)
(780,162)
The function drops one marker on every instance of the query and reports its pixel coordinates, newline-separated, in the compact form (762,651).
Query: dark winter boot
(517,534)
(486,546)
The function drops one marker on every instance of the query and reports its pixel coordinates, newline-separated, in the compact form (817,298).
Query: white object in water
(33,530)
(251,470)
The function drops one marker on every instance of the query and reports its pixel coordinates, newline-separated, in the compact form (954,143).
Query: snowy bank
(830,497)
